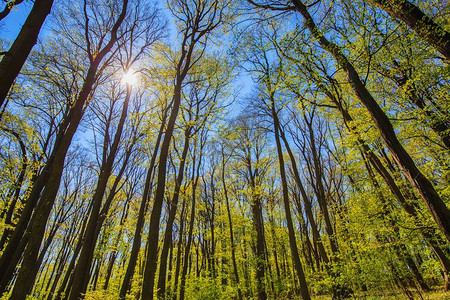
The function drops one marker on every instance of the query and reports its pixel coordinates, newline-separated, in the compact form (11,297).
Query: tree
(417,20)
(46,185)
(269,78)
(148,34)
(423,186)
(14,59)
(8,6)
(248,144)
(201,97)
(260,153)
(198,21)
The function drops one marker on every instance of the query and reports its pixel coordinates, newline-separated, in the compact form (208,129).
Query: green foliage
(207,288)
(276,60)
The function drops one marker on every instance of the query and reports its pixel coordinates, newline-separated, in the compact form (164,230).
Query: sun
(130,77)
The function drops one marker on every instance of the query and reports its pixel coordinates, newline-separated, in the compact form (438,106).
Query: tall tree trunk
(170,268)
(183,66)
(153,235)
(287,209)
(319,188)
(308,249)
(81,273)
(423,186)
(187,250)
(67,280)
(15,57)
(62,262)
(113,255)
(136,246)
(230,226)
(171,219)
(417,20)
(179,251)
(308,207)
(258,226)
(49,180)
(339,290)
(212,227)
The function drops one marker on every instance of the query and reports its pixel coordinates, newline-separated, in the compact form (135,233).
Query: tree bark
(417,20)
(170,221)
(258,225)
(230,225)
(194,179)
(141,215)
(51,176)
(287,210)
(423,186)
(81,273)
(13,61)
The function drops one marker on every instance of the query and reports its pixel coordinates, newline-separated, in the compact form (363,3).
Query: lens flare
(130,77)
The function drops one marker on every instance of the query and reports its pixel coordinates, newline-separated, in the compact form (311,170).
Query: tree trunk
(179,252)
(258,226)
(141,216)
(153,235)
(67,280)
(81,273)
(423,186)
(287,209)
(408,206)
(230,225)
(194,179)
(113,255)
(308,207)
(13,61)
(183,66)
(170,221)
(418,21)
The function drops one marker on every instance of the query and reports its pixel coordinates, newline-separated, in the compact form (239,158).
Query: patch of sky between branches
(13,22)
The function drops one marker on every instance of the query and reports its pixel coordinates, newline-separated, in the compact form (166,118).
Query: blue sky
(11,25)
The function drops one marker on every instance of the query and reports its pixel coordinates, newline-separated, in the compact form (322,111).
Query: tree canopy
(217,149)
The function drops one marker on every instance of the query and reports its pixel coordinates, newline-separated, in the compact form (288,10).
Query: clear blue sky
(11,25)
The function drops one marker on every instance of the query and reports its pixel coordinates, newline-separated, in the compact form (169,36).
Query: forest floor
(391,295)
